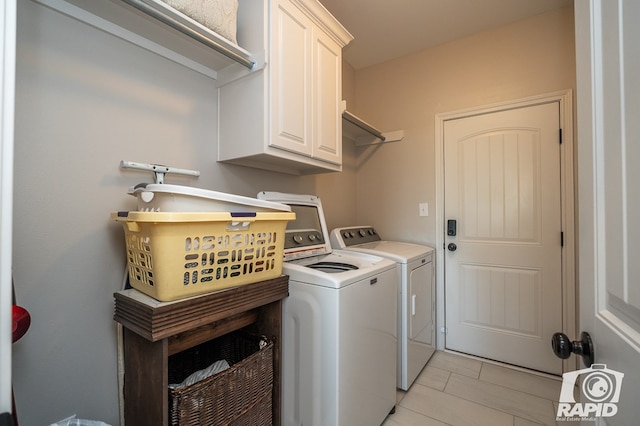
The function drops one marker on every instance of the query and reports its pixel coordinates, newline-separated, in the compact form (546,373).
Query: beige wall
(349,85)
(338,190)
(529,57)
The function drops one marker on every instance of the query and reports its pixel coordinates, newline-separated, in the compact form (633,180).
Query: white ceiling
(387,29)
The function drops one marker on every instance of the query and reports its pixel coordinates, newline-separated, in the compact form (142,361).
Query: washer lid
(366,240)
(307,235)
(399,251)
(366,266)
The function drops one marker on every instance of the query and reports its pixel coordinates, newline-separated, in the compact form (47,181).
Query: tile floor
(457,390)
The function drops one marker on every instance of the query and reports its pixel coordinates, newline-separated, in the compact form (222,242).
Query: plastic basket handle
(239,225)
(133,226)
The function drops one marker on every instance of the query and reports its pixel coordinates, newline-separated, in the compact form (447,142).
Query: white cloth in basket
(221,16)
(214,368)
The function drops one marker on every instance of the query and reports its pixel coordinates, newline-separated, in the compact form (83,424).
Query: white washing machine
(339,326)
(416,295)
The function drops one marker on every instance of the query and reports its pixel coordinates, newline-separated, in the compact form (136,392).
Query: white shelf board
(363,133)
(168,32)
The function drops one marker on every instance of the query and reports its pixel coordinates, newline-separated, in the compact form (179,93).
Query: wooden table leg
(146,380)
(270,324)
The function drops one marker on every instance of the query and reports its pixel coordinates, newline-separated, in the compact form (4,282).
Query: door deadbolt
(451,228)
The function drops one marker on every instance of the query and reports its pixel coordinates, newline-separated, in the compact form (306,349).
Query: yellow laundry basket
(174,255)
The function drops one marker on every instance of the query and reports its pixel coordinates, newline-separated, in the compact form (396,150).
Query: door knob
(563,347)
(452,247)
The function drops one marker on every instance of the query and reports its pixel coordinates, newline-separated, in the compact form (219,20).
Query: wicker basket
(240,395)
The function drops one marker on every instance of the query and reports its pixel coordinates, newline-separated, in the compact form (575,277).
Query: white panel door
(608,66)
(503,286)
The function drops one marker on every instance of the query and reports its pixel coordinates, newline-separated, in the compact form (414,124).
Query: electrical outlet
(423,208)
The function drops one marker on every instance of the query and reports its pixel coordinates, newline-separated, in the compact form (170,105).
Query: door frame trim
(568,194)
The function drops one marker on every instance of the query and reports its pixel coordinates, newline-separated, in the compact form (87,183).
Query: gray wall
(85,101)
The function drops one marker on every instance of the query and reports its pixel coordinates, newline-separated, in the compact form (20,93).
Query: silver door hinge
(444,330)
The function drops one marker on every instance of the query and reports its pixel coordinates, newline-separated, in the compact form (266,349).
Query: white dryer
(339,326)
(416,295)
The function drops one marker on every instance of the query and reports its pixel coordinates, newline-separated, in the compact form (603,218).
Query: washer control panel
(303,238)
(346,237)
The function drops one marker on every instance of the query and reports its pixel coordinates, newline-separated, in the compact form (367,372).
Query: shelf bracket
(388,137)
(159,170)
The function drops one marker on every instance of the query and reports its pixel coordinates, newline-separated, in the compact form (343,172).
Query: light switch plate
(423,209)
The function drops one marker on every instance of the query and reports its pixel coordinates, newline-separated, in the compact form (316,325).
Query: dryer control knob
(362,233)
(297,239)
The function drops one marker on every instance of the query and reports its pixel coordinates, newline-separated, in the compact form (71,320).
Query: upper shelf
(193,29)
(363,133)
(161,29)
(355,128)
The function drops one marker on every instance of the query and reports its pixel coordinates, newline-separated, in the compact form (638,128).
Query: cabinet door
(291,79)
(327,117)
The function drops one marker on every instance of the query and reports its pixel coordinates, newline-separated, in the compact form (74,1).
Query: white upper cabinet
(291,79)
(327,88)
(287,116)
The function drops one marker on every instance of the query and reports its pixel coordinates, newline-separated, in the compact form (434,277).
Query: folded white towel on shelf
(221,16)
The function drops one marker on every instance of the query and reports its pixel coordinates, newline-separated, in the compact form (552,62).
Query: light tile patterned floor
(457,390)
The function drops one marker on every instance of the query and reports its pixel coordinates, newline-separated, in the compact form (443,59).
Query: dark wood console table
(155,330)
